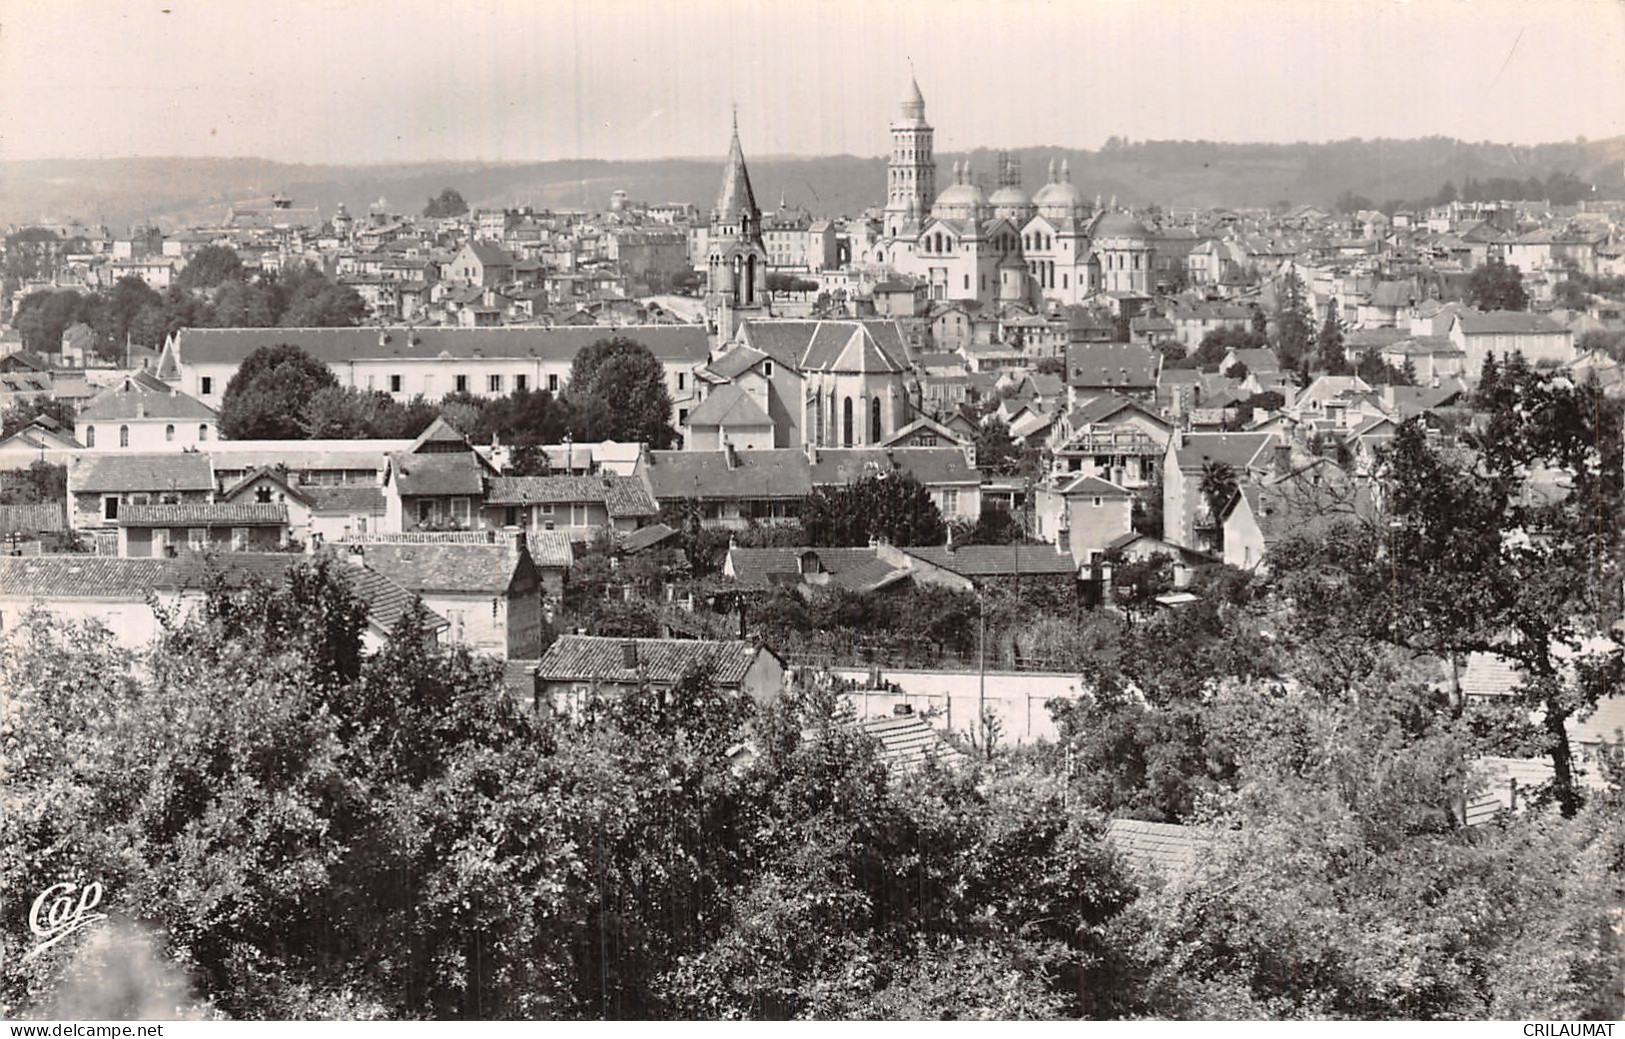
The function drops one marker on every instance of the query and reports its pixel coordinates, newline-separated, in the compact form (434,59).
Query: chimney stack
(730,455)
(1283,459)
(629,654)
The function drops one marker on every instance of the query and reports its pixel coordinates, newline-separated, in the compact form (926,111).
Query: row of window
(124,434)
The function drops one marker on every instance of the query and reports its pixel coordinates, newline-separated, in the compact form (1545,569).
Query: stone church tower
(911,175)
(736,285)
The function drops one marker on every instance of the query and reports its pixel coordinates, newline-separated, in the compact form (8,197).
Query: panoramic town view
(1033,543)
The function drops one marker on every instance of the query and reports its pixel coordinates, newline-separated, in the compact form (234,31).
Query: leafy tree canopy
(448,203)
(894,507)
(617,391)
(267,396)
(1497,286)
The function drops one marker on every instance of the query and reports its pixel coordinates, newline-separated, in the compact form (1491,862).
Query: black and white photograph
(859,510)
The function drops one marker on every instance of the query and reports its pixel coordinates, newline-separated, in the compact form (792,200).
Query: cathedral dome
(1060,198)
(1011,203)
(960,200)
(1120,225)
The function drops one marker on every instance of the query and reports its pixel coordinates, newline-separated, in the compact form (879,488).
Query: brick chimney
(1283,459)
(730,455)
(629,654)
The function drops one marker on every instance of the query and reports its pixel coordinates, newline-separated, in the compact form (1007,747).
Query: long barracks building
(406,361)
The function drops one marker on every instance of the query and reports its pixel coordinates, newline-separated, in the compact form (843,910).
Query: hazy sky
(388,80)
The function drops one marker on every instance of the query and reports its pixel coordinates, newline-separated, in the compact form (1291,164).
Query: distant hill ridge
(178,192)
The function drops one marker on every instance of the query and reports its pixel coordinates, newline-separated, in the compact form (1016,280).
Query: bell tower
(911,175)
(736,266)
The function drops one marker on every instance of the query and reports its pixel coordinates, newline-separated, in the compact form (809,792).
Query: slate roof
(1237,450)
(204,514)
(729,405)
(1314,498)
(736,362)
(461,473)
(248,479)
(345,498)
(1507,322)
(1258,359)
(447,568)
(135,398)
(303,455)
(1112,364)
(107,577)
(766,567)
(646,537)
(1103,407)
(662,661)
(981,561)
(1089,486)
(490,254)
(623,496)
(669,343)
(845,346)
(40,518)
(120,472)
(932,466)
(774,473)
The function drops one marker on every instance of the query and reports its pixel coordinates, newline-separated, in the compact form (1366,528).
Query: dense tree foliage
(309,831)
(1332,358)
(1497,286)
(42,481)
(1294,328)
(300,297)
(267,396)
(893,507)
(293,827)
(210,266)
(346,413)
(1218,343)
(996,452)
(448,203)
(617,391)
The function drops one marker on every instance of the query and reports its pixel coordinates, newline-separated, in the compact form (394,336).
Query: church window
(874,421)
(124,436)
(90,436)
(846,422)
(1063,281)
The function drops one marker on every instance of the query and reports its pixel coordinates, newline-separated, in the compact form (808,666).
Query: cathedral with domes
(1002,248)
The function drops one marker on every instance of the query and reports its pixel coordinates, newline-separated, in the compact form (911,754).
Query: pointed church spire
(1066,170)
(736,202)
(1052,171)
